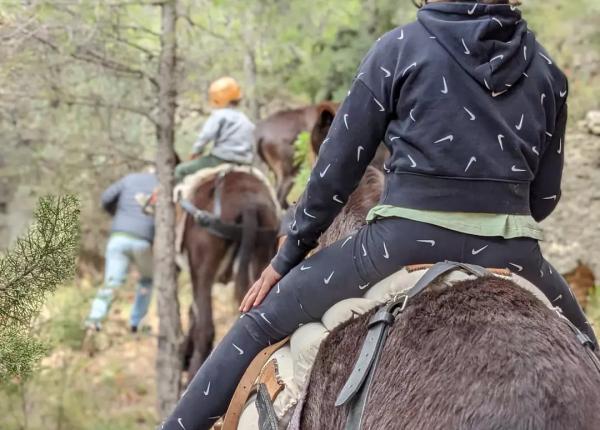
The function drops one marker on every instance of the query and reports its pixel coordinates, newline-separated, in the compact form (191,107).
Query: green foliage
(302,161)
(39,261)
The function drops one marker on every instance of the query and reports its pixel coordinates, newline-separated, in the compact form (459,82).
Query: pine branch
(38,262)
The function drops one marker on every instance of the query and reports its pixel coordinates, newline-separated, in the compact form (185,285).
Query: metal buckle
(396,308)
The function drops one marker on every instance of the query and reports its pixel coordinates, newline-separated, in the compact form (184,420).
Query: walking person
(473,111)
(130,242)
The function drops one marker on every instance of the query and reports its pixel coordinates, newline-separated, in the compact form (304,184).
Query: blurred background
(78,105)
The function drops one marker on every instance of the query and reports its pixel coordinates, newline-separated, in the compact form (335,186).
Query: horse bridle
(356,389)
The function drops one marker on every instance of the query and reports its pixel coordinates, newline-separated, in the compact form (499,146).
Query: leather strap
(213,223)
(583,338)
(359,380)
(267,419)
(246,386)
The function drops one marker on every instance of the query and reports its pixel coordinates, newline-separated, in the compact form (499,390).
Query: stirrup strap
(359,381)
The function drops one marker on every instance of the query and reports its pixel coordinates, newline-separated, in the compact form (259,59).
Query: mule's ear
(322,126)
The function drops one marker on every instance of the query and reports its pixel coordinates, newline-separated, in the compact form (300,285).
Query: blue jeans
(121,251)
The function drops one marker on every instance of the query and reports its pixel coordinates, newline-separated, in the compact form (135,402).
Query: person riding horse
(473,110)
(230,130)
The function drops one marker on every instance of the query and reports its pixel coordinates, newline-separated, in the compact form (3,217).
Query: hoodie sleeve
(111,195)
(208,133)
(545,189)
(357,130)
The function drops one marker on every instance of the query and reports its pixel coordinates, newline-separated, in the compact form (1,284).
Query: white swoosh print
(545,58)
(535,150)
(303,268)
(358,151)
(346,121)
(477,251)
(364,250)
(381,108)
(401,34)
(408,68)
(386,71)
(412,162)
(180,423)
(554,197)
(362,287)
(557,298)
(450,137)
(337,199)
(466,49)
(386,169)
(445,90)
(525,52)
(410,114)
(240,350)
(394,138)
(348,239)
(515,169)
(278,289)
(471,161)
(498,21)
(386,254)
(519,268)
(563,93)
(542,98)
(486,84)
(309,215)
(429,242)
(324,172)
(263,316)
(559,146)
(497,57)
(548,134)
(496,94)
(328,279)
(470,114)
(520,124)
(207,389)
(500,137)
(472,11)
(525,74)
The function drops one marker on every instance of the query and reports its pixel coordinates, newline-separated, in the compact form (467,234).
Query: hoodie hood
(490,42)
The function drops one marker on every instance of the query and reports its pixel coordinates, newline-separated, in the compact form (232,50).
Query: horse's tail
(242,267)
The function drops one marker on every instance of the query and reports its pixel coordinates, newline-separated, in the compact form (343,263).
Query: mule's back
(481,355)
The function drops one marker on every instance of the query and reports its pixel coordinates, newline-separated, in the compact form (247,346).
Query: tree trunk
(168,361)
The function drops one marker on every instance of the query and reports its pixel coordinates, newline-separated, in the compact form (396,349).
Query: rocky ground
(573,230)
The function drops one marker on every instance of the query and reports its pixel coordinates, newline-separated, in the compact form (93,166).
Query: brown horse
(482,354)
(275,137)
(244,200)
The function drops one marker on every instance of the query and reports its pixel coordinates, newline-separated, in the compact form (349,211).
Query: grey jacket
(232,133)
(119,200)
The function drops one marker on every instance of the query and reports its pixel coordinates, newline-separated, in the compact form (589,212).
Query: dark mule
(483,354)
(275,137)
(245,200)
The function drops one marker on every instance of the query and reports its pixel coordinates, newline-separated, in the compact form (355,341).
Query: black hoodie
(472,109)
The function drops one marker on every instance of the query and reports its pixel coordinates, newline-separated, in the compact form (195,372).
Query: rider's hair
(421,3)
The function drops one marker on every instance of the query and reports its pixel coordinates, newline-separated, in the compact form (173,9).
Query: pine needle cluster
(39,261)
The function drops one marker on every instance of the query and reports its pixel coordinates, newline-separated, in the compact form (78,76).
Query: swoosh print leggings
(339,272)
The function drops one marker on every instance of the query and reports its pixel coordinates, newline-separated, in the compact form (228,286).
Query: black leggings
(347,269)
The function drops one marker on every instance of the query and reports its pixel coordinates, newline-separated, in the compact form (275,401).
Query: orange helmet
(224,91)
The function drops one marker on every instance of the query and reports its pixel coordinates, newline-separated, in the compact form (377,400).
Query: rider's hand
(255,295)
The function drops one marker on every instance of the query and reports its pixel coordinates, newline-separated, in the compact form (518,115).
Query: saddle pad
(191,182)
(295,359)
